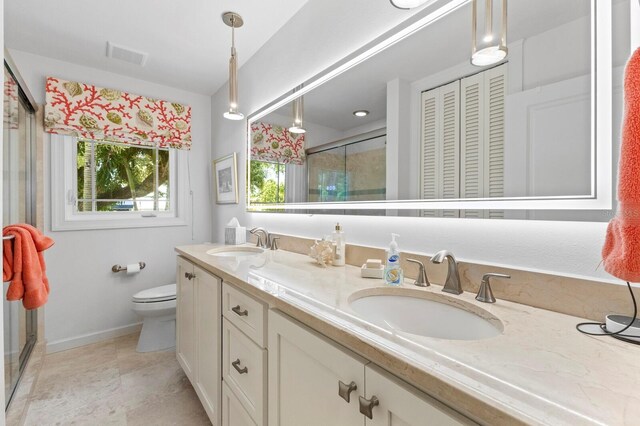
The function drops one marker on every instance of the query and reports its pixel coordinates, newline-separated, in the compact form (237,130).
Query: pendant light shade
(234,21)
(298,114)
(409,4)
(493,45)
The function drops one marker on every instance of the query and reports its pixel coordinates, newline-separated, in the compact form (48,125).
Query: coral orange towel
(621,251)
(23,264)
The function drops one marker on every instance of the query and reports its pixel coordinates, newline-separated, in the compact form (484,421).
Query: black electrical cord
(618,334)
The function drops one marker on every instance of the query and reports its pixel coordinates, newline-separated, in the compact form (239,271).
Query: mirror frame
(601,197)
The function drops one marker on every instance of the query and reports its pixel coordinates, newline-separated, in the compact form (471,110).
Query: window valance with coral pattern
(275,144)
(98,113)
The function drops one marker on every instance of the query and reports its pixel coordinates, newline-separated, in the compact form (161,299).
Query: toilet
(157,307)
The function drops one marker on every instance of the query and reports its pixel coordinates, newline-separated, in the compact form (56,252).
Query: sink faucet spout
(452,283)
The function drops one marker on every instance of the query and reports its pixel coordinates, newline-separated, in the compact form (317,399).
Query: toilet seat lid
(156,294)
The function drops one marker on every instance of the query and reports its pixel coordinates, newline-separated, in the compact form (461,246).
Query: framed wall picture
(225,179)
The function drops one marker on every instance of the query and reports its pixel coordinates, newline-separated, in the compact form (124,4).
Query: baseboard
(87,339)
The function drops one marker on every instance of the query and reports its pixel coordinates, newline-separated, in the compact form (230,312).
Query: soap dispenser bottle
(338,240)
(392,271)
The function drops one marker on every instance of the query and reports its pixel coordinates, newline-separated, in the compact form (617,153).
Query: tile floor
(109,383)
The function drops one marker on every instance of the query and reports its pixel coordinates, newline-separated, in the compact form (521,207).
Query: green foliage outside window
(267,182)
(123,176)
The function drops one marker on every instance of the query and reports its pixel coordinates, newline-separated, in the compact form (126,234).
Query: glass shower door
(17,159)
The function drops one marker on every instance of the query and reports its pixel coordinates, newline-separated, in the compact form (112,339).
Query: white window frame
(64,214)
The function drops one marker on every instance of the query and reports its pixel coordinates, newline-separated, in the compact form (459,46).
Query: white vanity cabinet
(305,372)
(312,381)
(198,337)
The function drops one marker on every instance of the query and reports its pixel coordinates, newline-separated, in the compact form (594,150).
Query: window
(117,178)
(98,184)
(267,182)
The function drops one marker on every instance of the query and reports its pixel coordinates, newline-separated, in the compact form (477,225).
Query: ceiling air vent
(126,54)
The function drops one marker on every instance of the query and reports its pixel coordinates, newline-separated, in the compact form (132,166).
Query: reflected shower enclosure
(352,172)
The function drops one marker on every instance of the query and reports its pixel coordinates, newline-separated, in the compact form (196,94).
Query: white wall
(87,300)
(321,33)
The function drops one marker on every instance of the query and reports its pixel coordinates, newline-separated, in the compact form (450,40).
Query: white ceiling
(444,44)
(187,42)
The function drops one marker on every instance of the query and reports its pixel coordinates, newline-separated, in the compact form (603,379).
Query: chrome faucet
(452,283)
(264,238)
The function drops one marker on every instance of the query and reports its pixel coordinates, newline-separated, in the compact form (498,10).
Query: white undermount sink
(232,251)
(425,314)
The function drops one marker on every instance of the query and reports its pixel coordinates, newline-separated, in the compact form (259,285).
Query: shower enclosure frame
(31,199)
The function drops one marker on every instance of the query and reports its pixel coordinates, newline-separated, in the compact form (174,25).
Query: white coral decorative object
(322,252)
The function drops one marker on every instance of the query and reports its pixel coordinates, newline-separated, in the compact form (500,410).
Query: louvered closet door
(482,138)
(440,166)
(450,158)
(495,89)
(471,140)
(430,130)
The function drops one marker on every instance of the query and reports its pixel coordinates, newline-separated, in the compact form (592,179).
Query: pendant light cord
(618,334)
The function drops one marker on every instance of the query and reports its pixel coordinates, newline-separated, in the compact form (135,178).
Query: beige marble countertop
(540,370)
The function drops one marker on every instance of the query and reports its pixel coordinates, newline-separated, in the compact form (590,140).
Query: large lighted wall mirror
(408,125)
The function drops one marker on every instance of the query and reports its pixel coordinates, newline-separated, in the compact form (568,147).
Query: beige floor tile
(109,383)
(79,359)
(132,361)
(182,408)
(59,394)
(153,382)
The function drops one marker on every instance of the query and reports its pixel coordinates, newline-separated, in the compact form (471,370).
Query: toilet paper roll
(133,268)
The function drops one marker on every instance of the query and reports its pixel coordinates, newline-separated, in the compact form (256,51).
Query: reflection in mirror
(353,171)
(418,121)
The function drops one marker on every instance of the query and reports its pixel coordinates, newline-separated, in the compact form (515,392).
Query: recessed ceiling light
(361,113)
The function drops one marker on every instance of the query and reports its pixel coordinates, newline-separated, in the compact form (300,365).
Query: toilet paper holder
(118,268)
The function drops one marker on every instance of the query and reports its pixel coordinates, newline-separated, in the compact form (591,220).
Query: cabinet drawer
(245,312)
(233,413)
(244,370)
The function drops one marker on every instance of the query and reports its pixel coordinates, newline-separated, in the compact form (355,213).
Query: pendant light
(233,20)
(409,4)
(298,114)
(493,46)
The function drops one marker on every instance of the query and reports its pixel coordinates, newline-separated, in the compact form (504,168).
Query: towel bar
(118,268)
(8,237)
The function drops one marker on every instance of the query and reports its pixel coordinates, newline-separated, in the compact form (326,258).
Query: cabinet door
(207,307)
(185,319)
(304,375)
(402,405)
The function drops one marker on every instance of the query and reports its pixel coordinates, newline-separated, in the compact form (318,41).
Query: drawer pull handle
(238,312)
(366,405)
(236,365)
(344,390)
(189,275)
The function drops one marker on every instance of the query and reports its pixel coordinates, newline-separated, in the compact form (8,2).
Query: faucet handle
(274,243)
(484,293)
(421,280)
